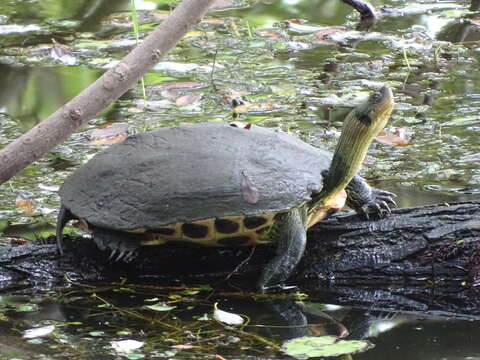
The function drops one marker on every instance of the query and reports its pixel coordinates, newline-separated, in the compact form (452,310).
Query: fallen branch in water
(32,145)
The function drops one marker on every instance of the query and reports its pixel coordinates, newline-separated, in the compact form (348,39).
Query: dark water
(430,58)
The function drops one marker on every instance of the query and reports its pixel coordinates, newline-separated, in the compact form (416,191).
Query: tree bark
(437,244)
(437,241)
(58,127)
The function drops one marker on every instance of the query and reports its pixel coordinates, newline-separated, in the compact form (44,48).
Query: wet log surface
(399,260)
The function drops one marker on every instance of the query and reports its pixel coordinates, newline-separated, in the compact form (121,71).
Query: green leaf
(3,225)
(96,333)
(160,307)
(26,308)
(190,292)
(323,346)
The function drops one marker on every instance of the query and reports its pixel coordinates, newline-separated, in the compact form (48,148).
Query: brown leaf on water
(259,108)
(188,99)
(107,141)
(26,205)
(177,85)
(396,140)
(271,34)
(324,36)
(112,130)
(111,134)
(249,191)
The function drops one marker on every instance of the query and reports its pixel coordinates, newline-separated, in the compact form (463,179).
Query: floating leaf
(62,53)
(226,317)
(51,188)
(107,141)
(155,299)
(38,332)
(126,346)
(111,134)
(109,131)
(185,346)
(160,307)
(204,317)
(323,346)
(188,99)
(26,205)
(26,308)
(324,36)
(391,139)
(96,333)
(295,25)
(259,108)
(271,34)
(190,292)
(179,85)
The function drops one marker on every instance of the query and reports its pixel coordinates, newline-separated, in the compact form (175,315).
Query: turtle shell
(193,172)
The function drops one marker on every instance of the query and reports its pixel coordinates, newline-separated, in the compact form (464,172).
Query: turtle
(215,184)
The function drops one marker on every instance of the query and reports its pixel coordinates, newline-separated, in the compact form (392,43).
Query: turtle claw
(380,204)
(121,246)
(130,255)
(385,196)
(124,254)
(112,255)
(121,256)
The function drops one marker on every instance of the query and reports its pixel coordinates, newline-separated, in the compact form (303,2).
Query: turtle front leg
(366,200)
(291,237)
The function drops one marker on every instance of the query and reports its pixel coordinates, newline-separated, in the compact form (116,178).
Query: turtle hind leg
(122,245)
(291,239)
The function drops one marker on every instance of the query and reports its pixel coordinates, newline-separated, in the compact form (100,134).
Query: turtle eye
(365,119)
(376,97)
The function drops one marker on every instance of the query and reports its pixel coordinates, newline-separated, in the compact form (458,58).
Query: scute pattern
(252,222)
(226,226)
(229,231)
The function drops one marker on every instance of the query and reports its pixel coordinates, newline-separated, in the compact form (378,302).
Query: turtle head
(359,129)
(374,113)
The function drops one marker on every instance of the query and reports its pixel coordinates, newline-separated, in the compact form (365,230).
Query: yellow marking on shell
(331,206)
(213,237)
